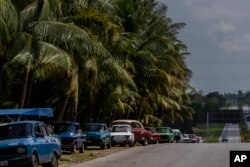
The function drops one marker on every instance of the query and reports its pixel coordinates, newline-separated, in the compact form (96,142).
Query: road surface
(170,155)
(232,132)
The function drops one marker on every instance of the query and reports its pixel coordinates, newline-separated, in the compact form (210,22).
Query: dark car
(70,136)
(224,139)
(193,138)
(27,143)
(97,134)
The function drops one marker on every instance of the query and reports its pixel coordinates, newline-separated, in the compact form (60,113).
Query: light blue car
(27,143)
(97,134)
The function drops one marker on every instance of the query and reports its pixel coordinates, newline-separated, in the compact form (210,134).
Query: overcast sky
(218,37)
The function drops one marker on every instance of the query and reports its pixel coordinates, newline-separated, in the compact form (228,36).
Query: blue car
(27,143)
(97,134)
(70,136)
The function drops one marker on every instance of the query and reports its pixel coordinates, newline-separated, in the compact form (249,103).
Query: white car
(122,134)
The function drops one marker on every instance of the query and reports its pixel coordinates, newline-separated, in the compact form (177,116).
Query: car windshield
(92,128)
(14,131)
(58,128)
(191,136)
(163,130)
(185,135)
(120,129)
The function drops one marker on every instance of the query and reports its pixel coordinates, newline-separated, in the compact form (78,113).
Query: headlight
(21,150)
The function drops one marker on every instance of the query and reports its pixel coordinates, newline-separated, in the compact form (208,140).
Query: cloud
(223,27)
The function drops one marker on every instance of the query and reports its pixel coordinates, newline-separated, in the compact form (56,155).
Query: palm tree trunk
(1,83)
(24,88)
(61,114)
(29,89)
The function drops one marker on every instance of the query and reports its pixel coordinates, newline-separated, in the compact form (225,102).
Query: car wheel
(145,141)
(131,144)
(109,145)
(53,162)
(74,148)
(34,161)
(81,150)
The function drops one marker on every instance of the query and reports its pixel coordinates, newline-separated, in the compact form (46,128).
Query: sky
(217,35)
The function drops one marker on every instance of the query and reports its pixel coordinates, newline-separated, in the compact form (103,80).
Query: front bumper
(16,162)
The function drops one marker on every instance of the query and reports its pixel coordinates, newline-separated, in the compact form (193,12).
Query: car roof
(22,122)
(126,121)
(122,125)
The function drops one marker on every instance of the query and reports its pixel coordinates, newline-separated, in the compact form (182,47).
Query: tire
(81,149)
(109,145)
(102,146)
(53,162)
(145,141)
(74,149)
(34,161)
(131,144)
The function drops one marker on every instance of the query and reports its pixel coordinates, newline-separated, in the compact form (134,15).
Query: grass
(214,132)
(244,132)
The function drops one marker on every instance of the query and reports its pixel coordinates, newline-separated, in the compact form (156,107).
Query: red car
(156,136)
(142,136)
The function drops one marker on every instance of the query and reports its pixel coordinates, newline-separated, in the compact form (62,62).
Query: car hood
(14,142)
(120,133)
(66,134)
(92,134)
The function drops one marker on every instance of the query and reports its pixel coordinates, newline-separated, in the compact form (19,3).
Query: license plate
(3,163)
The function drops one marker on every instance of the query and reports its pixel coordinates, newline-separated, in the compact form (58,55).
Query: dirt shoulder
(69,159)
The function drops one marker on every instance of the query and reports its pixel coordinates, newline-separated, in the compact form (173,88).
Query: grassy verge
(69,159)
(215,130)
(244,132)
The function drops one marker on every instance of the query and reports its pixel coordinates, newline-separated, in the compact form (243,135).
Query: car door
(41,143)
(106,134)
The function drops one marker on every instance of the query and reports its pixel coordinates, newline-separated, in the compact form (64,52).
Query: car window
(14,131)
(59,128)
(120,129)
(137,125)
(92,128)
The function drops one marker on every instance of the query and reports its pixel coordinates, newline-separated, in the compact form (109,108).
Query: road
(170,155)
(232,132)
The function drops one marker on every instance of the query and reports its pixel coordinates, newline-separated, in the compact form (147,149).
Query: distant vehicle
(142,136)
(224,139)
(193,138)
(185,138)
(200,139)
(156,136)
(166,134)
(70,136)
(177,135)
(122,134)
(97,134)
(27,143)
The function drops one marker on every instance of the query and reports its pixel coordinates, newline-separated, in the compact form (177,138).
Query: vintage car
(97,134)
(70,136)
(185,138)
(178,137)
(193,138)
(122,134)
(27,143)
(142,136)
(155,134)
(166,134)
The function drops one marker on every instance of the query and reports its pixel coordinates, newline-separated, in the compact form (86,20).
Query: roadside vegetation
(244,132)
(94,60)
(214,132)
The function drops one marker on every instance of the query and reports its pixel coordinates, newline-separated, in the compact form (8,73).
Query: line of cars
(33,143)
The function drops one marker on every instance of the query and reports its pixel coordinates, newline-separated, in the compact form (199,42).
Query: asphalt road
(170,155)
(232,132)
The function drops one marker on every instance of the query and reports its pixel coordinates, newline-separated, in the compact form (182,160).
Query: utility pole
(207,124)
